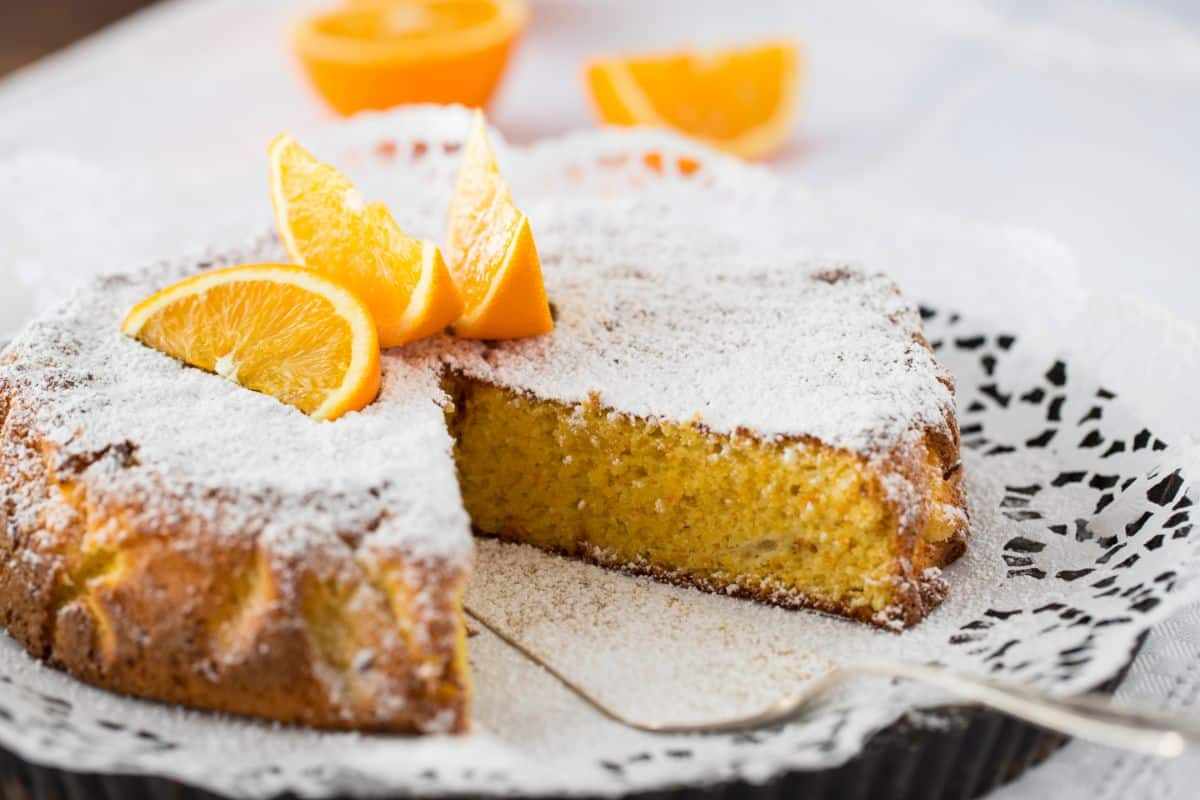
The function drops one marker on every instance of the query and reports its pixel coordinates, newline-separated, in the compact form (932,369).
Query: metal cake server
(1091,717)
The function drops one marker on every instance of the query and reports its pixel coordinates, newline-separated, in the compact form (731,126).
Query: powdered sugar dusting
(781,350)
(706,656)
(146,425)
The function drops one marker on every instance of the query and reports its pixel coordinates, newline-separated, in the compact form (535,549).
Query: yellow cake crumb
(792,521)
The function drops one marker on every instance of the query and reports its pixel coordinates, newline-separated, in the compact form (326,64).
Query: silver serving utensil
(1091,717)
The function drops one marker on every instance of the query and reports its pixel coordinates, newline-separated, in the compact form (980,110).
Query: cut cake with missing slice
(778,434)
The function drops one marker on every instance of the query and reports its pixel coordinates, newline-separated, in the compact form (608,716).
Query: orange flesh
(326,225)
(491,252)
(740,100)
(407,22)
(275,329)
(244,320)
(376,55)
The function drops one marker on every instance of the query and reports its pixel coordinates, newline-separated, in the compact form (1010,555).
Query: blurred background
(28,30)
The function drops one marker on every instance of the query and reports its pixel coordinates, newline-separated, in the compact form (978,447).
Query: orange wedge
(280,330)
(372,54)
(739,100)
(491,252)
(326,225)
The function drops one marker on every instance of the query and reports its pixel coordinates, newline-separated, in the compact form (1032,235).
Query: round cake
(777,431)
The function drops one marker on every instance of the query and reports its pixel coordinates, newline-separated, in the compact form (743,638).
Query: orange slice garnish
(277,329)
(738,100)
(326,225)
(373,55)
(491,252)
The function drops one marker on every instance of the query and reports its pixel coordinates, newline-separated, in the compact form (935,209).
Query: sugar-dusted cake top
(784,350)
(135,422)
(704,336)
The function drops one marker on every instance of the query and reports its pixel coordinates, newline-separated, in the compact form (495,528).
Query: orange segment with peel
(326,225)
(277,329)
(373,54)
(739,100)
(491,251)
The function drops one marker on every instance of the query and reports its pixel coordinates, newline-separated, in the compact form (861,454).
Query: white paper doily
(1081,515)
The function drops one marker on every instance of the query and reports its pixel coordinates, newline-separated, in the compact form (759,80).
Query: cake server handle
(1090,717)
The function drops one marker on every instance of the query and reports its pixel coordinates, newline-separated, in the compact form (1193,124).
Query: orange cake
(783,434)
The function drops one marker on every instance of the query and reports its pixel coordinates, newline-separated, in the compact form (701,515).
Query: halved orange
(375,54)
(326,224)
(739,100)
(277,329)
(491,251)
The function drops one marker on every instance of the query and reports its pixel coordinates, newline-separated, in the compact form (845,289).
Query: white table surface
(1079,118)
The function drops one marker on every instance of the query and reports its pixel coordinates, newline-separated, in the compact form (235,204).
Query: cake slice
(778,435)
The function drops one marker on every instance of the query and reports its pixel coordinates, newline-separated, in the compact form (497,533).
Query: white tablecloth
(1078,118)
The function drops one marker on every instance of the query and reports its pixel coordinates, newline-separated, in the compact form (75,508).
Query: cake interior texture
(792,522)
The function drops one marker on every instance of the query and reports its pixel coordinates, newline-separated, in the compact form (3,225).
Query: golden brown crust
(934,531)
(139,596)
